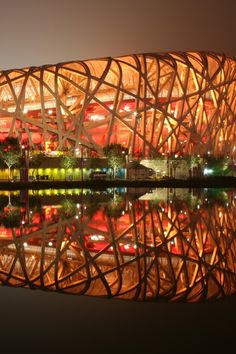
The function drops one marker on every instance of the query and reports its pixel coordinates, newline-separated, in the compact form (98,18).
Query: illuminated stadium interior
(167,103)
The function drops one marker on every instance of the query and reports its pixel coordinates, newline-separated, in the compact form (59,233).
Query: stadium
(157,104)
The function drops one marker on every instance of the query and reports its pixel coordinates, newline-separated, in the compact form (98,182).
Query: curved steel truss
(149,251)
(166,103)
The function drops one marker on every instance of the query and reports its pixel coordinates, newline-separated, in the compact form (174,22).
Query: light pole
(138,118)
(126,162)
(82,161)
(25,156)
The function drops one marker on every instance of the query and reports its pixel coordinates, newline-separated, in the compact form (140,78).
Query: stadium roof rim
(161,53)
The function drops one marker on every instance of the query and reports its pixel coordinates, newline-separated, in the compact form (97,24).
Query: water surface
(135,244)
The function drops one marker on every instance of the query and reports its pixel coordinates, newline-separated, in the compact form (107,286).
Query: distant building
(166,103)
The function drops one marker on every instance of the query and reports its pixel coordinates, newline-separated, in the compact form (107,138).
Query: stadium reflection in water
(166,245)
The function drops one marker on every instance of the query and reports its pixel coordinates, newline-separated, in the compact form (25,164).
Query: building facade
(166,103)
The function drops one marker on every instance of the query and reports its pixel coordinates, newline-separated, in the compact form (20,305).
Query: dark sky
(34,32)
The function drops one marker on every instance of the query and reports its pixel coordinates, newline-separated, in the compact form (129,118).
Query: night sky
(43,32)
(36,32)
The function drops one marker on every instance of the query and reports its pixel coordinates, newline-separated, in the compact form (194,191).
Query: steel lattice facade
(167,103)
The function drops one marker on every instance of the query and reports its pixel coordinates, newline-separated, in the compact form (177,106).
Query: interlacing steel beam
(167,103)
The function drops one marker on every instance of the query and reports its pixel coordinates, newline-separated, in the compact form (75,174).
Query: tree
(68,161)
(193,162)
(217,196)
(36,161)
(175,163)
(68,208)
(217,165)
(11,218)
(10,143)
(10,152)
(92,209)
(115,154)
(115,207)
(11,158)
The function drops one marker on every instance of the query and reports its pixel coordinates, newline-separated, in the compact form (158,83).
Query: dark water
(168,245)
